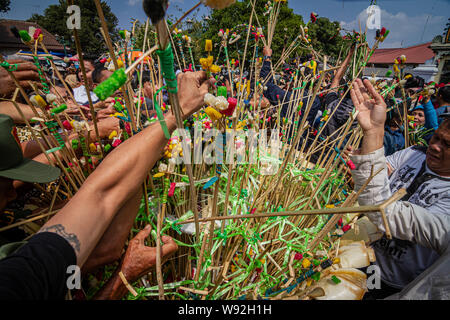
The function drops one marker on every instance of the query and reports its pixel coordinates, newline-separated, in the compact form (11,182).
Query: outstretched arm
(274,93)
(431,119)
(84,220)
(341,71)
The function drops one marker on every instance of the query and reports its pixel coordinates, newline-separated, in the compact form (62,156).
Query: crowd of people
(91,229)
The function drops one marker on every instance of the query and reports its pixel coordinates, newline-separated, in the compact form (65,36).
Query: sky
(410,22)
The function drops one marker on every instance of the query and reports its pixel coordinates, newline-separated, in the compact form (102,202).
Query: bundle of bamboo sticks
(252,227)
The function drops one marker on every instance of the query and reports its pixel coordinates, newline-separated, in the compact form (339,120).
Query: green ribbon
(167,63)
(8,66)
(160,115)
(221,235)
(255,238)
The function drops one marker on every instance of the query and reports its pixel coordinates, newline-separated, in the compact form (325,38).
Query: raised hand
(371,106)
(371,116)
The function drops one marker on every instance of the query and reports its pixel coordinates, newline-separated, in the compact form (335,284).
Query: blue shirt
(433,116)
(393,141)
(440,111)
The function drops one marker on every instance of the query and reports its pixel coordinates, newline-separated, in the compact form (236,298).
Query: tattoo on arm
(60,230)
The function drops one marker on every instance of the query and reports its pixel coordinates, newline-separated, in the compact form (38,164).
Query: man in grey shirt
(417,259)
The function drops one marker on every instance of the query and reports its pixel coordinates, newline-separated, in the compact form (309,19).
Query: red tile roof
(414,55)
(8,40)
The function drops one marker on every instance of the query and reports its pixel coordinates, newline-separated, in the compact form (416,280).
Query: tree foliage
(4,5)
(287,27)
(324,34)
(55,17)
(139,35)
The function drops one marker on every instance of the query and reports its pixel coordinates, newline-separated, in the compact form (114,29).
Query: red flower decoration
(298,256)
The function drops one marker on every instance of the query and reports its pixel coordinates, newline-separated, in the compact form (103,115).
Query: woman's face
(419,117)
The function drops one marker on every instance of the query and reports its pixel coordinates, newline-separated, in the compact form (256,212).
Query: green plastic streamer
(160,115)
(168,72)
